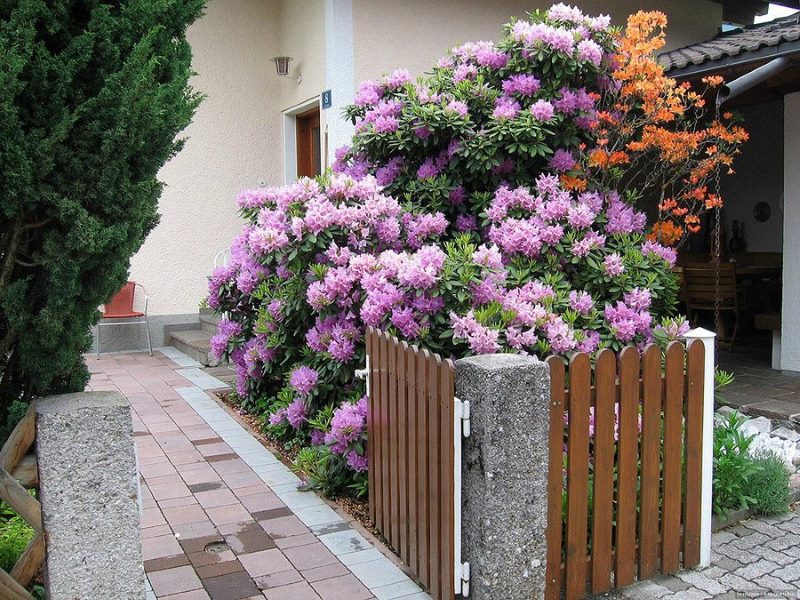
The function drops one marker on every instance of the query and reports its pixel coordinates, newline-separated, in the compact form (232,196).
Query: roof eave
(787,49)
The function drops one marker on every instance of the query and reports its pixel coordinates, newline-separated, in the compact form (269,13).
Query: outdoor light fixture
(282,68)
(282,65)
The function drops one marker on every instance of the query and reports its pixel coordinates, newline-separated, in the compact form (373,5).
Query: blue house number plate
(327,100)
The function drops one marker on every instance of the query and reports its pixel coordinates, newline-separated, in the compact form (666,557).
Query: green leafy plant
(92,97)
(327,472)
(15,534)
(734,468)
(722,379)
(769,485)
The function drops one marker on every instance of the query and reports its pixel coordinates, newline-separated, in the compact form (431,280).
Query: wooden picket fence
(639,513)
(411,457)
(19,471)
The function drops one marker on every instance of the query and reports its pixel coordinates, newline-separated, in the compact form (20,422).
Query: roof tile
(733,43)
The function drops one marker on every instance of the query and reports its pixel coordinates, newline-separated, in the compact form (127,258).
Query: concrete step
(195,343)
(209,320)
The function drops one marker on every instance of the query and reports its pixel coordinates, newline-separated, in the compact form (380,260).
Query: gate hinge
(465,417)
(465,579)
(364,374)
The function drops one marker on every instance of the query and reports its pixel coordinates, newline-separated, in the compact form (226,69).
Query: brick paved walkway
(758,558)
(222,517)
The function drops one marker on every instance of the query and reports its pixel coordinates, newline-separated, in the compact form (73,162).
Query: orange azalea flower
(713,201)
(666,233)
(713,80)
(576,184)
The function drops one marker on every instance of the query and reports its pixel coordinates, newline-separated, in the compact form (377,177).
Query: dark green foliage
(92,96)
(770,485)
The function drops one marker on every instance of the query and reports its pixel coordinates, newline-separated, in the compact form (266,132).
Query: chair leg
(149,343)
(97,339)
(735,329)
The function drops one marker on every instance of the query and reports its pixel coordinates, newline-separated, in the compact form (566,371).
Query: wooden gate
(624,484)
(412,458)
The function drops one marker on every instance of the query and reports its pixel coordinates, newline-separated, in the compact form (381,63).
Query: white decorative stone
(757,425)
(786,434)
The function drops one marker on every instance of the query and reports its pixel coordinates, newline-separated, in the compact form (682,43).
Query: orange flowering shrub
(653,135)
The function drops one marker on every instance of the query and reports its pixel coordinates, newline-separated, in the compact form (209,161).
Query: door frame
(290,137)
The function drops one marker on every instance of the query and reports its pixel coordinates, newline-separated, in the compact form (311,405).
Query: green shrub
(769,485)
(734,468)
(92,96)
(15,534)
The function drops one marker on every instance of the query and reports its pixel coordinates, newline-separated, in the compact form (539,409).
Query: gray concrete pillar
(88,491)
(505,474)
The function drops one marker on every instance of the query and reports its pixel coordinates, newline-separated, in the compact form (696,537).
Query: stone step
(209,320)
(195,343)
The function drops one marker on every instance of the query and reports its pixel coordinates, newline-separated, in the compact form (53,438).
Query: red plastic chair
(121,307)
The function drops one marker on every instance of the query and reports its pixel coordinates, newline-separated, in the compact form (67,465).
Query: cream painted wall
(414,33)
(301,35)
(232,144)
(790,334)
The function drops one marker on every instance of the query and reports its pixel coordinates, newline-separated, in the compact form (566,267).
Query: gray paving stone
(691,594)
(789,573)
(737,584)
(787,541)
(757,569)
(768,529)
(732,550)
(647,590)
(768,582)
(751,541)
(673,583)
(702,581)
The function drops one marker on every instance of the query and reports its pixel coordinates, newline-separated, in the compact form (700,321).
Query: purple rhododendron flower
(563,160)
(304,379)
(296,413)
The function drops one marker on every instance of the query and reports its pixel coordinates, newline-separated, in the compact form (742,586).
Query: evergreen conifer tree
(92,96)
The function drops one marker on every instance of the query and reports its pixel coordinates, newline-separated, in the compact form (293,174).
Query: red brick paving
(198,495)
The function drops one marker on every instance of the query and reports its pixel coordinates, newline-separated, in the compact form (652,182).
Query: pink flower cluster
(303,379)
(348,433)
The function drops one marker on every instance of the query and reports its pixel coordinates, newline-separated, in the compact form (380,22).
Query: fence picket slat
(673,459)
(555,480)
(371,424)
(434,470)
(386,449)
(580,377)
(413,467)
(447,516)
(651,462)
(394,440)
(402,448)
(423,491)
(695,364)
(627,468)
(603,496)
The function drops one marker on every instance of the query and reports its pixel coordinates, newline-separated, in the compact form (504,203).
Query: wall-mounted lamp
(282,67)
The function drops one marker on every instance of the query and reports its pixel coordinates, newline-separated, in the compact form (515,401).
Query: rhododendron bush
(485,208)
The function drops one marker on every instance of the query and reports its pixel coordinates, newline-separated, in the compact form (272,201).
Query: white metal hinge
(464,576)
(364,374)
(466,424)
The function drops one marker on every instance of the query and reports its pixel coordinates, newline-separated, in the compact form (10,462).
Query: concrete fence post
(88,485)
(504,474)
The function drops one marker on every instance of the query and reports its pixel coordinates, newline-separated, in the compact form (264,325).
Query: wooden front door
(309,155)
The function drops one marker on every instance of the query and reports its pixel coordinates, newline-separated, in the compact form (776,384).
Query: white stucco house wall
(243,134)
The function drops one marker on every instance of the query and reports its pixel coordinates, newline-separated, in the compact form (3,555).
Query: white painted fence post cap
(700,333)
